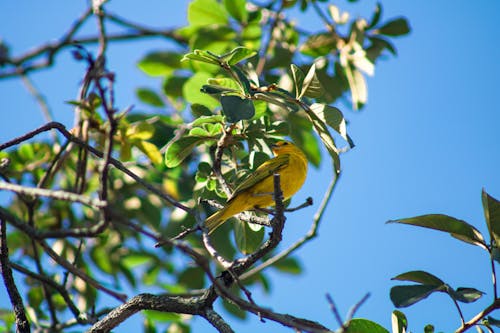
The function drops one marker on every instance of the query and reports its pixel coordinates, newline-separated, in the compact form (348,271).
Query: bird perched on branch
(257,190)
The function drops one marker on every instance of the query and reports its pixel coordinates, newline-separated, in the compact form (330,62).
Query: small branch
(335,311)
(475,320)
(15,298)
(310,234)
(62,129)
(356,307)
(58,194)
(217,321)
(50,282)
(75,271)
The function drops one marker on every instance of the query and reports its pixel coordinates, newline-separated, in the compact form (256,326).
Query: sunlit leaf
(206,12)
(160,63)
(192,93)
(359,325)
(238,54)
(399,322)
(237,9)
(333,117)
(150,150)
(311,86)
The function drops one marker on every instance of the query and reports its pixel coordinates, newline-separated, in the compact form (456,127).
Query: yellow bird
(258,188)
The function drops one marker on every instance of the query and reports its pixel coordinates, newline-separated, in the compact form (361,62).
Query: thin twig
(62,129)
(54,194)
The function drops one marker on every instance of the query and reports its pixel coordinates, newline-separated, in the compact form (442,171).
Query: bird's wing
(266,169)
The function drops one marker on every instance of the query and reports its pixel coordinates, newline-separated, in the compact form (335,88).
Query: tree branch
(15,298)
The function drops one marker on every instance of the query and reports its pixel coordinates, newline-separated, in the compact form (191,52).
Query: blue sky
(427,142)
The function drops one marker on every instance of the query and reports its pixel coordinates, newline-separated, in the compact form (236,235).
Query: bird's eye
(284,143)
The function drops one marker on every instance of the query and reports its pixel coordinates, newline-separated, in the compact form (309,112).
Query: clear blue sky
(427,142)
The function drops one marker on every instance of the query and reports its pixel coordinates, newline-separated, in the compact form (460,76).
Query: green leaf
(207,120)
(466,295)
(333,117)
(237,108)
(377,14)
(199,110)
(237,9)
(399,322)
(225,82)
(192,278)
(359,325)
(243,80)
(421,277)
(288,265)
(178,150)
(396,27)
(457,228)
(403,296)
(325,136)
(203,56)
(133,260)
(238,54)
(491,207)
(149,97)
(160,63)
(248,236)
(192,93)
(311,86)
(319,45)
(298,79)
(429,328)
(493,321)
(206,12)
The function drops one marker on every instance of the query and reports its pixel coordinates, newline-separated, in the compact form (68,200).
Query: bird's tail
(215,220)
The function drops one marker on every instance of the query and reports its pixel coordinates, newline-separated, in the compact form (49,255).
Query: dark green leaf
(396,27)
(457,228)
(420,277)
(192,278)
(243,80)
(429,328)
(358,325)
(399,322)
(491,207)
(149,97)
(206,12)
(237,9)
(493,321)
(199,110)
(403,296)
(248,236)
(376,16)
(466,295)
(236,108)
